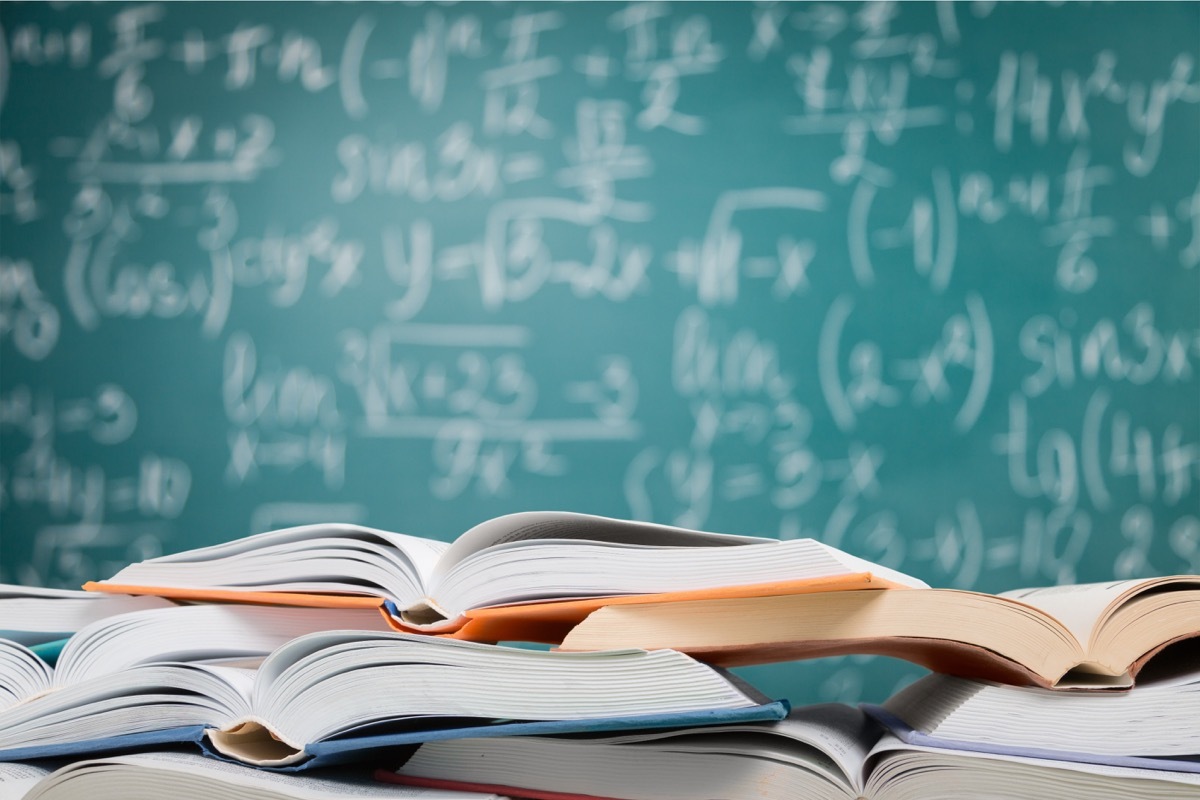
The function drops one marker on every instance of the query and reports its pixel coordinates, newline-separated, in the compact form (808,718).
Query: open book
(523,558)
(32,615)
(827,752)
(1157,720)
(332,695)
(1070,637)
(184,776)
(203,633)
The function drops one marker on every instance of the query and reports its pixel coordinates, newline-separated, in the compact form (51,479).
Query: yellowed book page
(1077,606)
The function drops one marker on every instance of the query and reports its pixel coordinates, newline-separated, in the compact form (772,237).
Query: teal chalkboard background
(919,280)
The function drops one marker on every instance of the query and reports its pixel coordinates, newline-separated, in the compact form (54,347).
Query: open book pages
(1158,718)
(901,770)
(17,779)
(1118,622)
(827,752)
(956,632)
(519,558)
(181,776)
(31,615)
(335,683)
(818,751)
(205,633)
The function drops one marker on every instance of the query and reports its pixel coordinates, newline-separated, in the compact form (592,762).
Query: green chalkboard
(920,280)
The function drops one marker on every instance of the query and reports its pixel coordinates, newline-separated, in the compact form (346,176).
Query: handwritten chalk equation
(912,279)
(858,376)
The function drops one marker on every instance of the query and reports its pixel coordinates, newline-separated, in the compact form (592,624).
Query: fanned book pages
(827,752)
(114,654)
(1088,636)
(470,587)
(181,776)
(329,696)
(32,615)
(17,779)
(1153,725)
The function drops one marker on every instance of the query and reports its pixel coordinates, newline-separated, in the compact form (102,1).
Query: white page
(324,684)
(197,633)
(531,526)
(32,615)
(261,559)
(22,673)
(187,776)
(17,779)
(889,743)
(145,698)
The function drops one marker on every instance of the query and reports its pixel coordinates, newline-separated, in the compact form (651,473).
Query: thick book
(333,696)
(1151,725)
(830,752)
(113,653)
(113,646)
(183,776)
(1090,636)
(526,576)
(33,615)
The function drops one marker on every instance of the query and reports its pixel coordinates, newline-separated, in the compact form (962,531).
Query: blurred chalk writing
(920,280)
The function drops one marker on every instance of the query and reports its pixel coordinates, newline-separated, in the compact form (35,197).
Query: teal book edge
(49,651)
(357,748)
(47,645)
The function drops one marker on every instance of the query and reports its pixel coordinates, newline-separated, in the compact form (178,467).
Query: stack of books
(331,661)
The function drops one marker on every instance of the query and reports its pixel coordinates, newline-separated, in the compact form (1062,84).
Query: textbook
(1088,636)
(826,752)
(32,615)
(331,696)
(1154,721)
(527,558)
(16,779)
(203,633)
(183,776)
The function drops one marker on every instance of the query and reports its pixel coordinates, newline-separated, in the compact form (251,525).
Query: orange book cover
(544,621)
